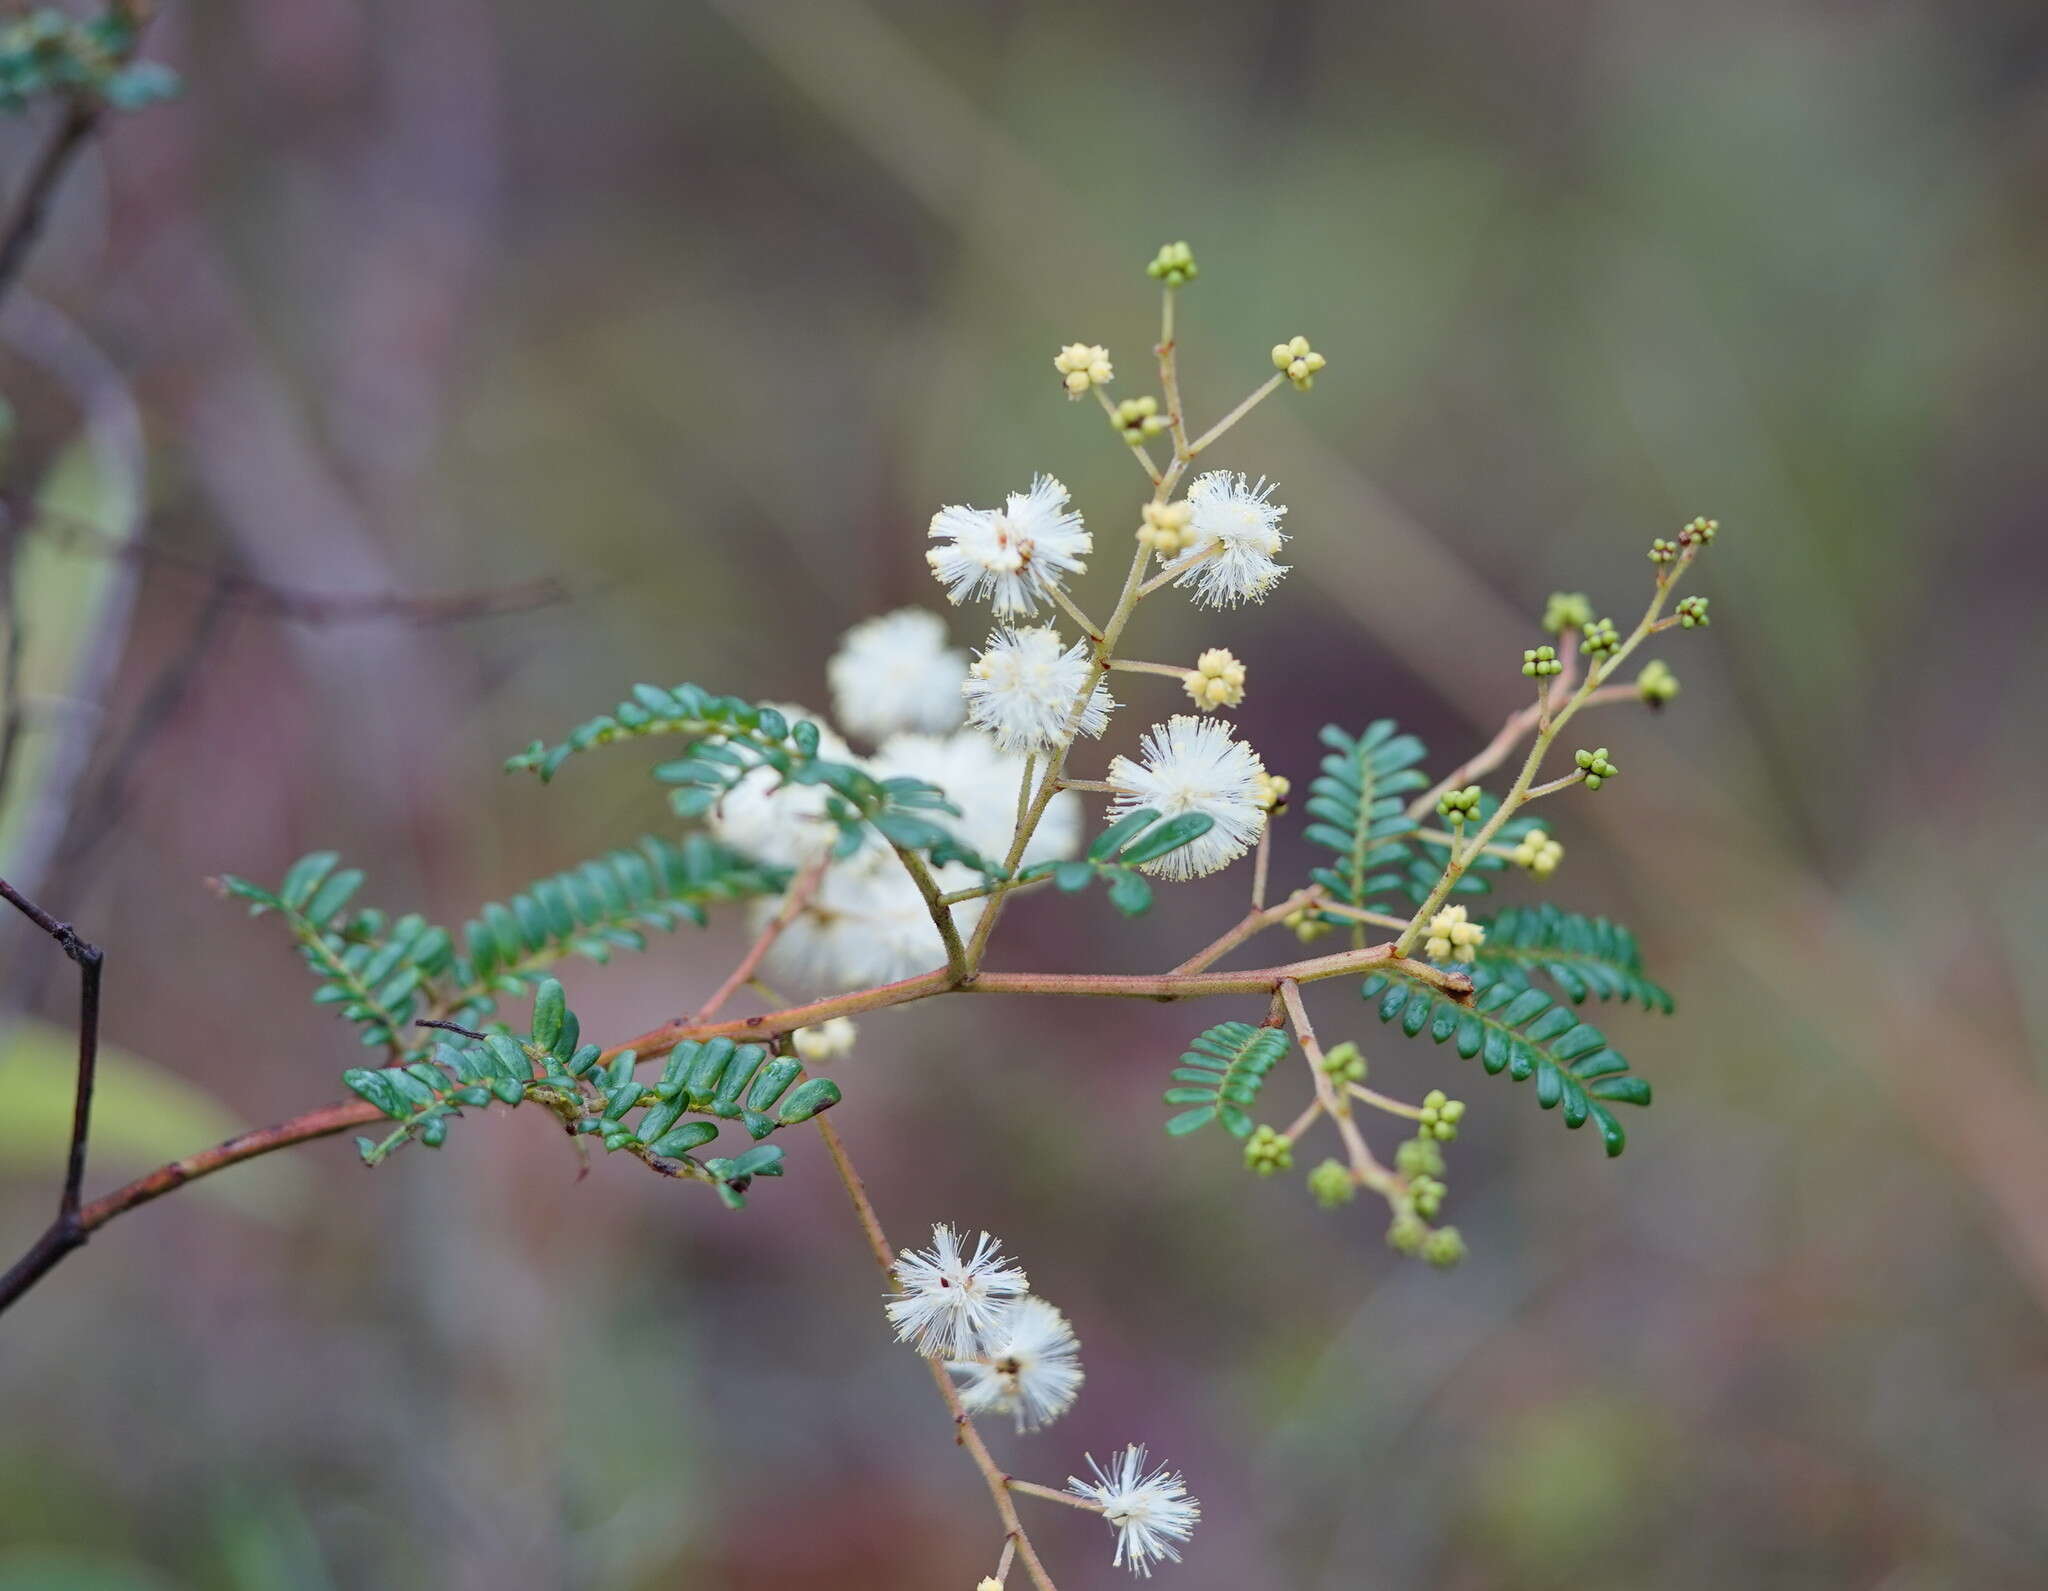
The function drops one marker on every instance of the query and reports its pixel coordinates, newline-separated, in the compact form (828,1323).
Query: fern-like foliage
(744,1083)
(1221,1075)
(1583,956)
(373,969)
(727,739)
(604,905)
(1357,811)
(1119,850)
(382,973)
(1522,1031)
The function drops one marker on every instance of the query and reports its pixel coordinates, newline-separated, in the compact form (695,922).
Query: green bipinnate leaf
(1522,1031)
(1221,1074)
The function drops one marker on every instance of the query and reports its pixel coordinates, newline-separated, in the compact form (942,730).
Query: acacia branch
(340,1116)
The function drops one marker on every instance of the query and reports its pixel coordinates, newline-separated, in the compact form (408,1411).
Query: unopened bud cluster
(1267,1151)
(1440,1116)
(1139,418)
(1272,789)
(1174,265)
(1298,362)
(1698,532)
(1599,638)
(1656,684)
(1692,613)
(1308,924)
(1083,365)
(1662,551)
(1217,680)
(1567,610)
(1165,527)
(1459,805)
(1452,937)
(1344,1063)
(1538,852)
(1596,766)
(1332,1184)
(1540,662)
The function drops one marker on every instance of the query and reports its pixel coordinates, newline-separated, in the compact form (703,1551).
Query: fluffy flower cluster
(896,673)
(1017,555)
(1024,686)
(865,922)
(1010,1352)
(1150,1510)
(1231,544)
(1193,765)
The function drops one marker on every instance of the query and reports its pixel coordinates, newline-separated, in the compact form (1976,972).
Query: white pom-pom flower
(1232,541)
(895,673)
(864,924)
(1033,1371)
(951,1305)
(981,780)
(1193,765)
(1023,687)
(1015,555)
(778,822)
(1149,1512)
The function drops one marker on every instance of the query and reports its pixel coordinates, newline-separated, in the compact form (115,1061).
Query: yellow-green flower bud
(1567,610)
(1174,265)
(1656,684)
(1267,1151)
(1332,1185)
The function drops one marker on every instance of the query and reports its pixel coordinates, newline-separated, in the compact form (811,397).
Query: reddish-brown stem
(796,900)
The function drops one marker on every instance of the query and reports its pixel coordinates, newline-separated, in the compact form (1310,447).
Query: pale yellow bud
(1217,680)
(1273,790)
(1452,937)
(1083,365)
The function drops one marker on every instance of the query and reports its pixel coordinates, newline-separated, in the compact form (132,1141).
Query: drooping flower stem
(999,1484)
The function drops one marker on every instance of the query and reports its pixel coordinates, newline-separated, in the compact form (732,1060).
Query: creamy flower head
(951,1305)
(864,924)
(1015,555)
(826,1040)
(1231,545)
(1148,1512)
(1033,1370)
(981,779)
(894,673)
(1023,687)
(1193,765)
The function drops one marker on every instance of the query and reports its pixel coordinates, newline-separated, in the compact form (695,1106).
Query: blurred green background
(706,309)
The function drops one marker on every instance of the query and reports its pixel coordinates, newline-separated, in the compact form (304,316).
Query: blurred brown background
(704,310)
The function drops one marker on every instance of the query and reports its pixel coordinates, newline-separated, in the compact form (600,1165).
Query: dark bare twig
(68,1231)
(31,209)
(81,118)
